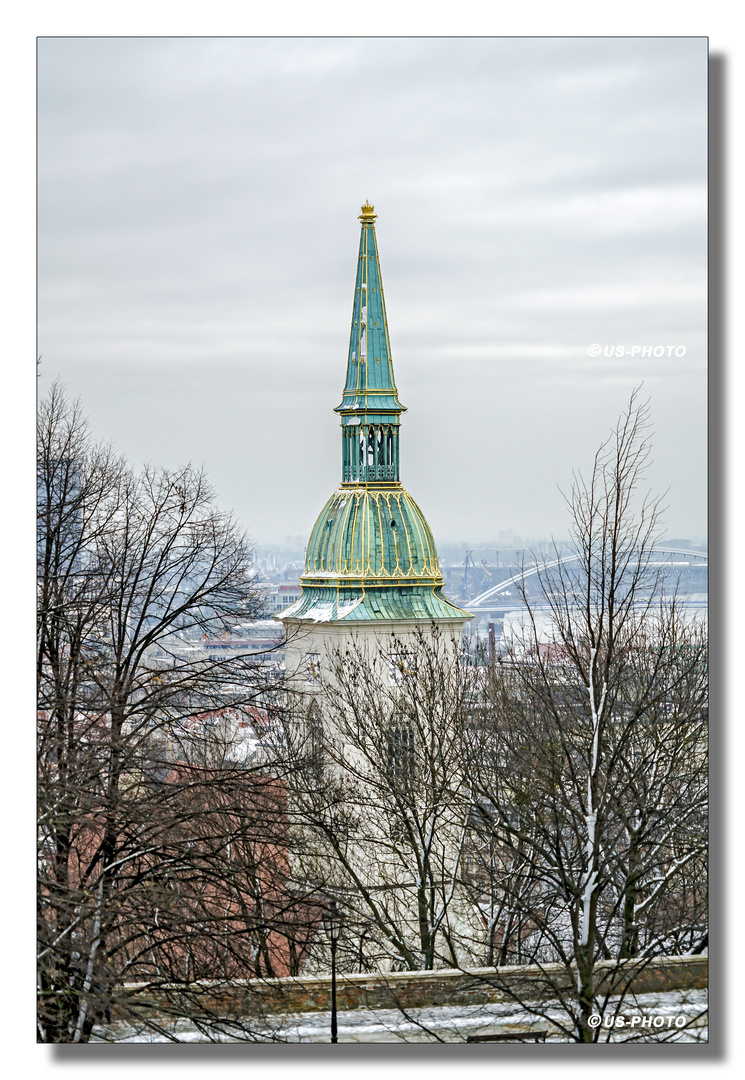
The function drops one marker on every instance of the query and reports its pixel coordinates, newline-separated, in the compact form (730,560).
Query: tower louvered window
(315,752)
(402,755)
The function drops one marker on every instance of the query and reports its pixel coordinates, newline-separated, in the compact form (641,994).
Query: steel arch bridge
(480,601)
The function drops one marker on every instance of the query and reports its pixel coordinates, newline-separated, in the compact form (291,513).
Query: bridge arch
(495,590)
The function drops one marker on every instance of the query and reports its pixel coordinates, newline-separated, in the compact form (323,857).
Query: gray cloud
(198,239)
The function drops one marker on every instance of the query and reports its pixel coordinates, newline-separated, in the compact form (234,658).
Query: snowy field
(452,1024)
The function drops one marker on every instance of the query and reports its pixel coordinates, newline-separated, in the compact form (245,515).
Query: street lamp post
(332,920)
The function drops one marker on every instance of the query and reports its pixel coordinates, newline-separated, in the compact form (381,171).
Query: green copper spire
(371,556)
(370,409)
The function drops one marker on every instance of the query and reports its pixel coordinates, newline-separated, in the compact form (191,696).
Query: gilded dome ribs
(380,535)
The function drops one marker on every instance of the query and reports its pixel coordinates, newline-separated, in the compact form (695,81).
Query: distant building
(279,597)
(261,640)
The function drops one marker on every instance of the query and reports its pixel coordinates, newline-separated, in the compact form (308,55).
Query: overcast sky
(198,203)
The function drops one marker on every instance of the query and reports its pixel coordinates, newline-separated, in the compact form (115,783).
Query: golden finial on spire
(367,214)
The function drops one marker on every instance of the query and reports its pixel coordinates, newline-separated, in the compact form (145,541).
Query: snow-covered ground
(455,1023)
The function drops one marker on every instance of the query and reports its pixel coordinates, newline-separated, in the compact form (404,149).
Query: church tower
(371,565)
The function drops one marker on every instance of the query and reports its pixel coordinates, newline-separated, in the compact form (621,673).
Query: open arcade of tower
(371,562)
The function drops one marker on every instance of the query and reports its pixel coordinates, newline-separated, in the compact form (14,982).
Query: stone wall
(417,989)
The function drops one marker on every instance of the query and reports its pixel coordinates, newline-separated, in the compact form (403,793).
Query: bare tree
(589,760)
(156,863)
